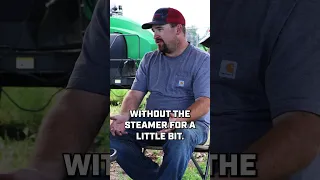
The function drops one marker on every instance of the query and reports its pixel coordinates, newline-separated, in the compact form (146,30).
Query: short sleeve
(141,80)
(201,83)
(91,70)
(293,75)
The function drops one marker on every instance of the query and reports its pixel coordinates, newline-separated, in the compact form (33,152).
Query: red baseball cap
(164,16)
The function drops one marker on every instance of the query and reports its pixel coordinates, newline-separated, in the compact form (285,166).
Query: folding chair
(199,148)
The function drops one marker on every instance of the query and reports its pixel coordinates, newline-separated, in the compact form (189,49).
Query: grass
(15,154)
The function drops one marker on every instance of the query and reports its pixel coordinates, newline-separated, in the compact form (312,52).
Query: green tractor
(205,42)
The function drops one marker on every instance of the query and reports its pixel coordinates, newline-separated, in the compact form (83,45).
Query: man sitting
(177,76)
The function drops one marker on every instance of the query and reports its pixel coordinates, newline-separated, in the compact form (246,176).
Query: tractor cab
(41,40)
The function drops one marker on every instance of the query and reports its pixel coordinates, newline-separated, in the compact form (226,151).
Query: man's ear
(179,29)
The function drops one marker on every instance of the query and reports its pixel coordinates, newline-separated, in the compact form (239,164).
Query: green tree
(192,35)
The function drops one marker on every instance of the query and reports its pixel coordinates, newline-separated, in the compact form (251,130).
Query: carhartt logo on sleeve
(228,69)
(181,83)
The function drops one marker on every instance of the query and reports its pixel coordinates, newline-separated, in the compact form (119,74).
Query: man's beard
(163,48)
(167,48)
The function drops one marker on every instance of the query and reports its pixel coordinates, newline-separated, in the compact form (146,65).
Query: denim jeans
(177,153)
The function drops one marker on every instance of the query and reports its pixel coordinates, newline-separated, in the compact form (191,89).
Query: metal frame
(128,80)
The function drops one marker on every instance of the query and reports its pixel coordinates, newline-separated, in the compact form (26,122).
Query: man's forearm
(130,103)
(198,109)
(68,128)
(289,147)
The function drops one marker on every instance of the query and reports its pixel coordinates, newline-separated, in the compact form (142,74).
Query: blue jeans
(177,153)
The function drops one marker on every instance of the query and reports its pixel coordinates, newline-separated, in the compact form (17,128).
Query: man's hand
(117,126)
(24,174)
(171,119)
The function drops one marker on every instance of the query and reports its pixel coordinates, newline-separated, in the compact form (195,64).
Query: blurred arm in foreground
(76,118)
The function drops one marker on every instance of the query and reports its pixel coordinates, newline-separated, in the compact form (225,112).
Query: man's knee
(188,135)
(115,138)
(186,140)
(119,139)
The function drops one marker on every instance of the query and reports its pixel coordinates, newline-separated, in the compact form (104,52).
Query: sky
(141,11)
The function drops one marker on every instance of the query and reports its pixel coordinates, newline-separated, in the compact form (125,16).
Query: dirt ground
(116,172)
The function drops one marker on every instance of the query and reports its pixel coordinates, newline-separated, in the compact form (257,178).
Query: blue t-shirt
(174,83)
(265,62)
(92,70)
